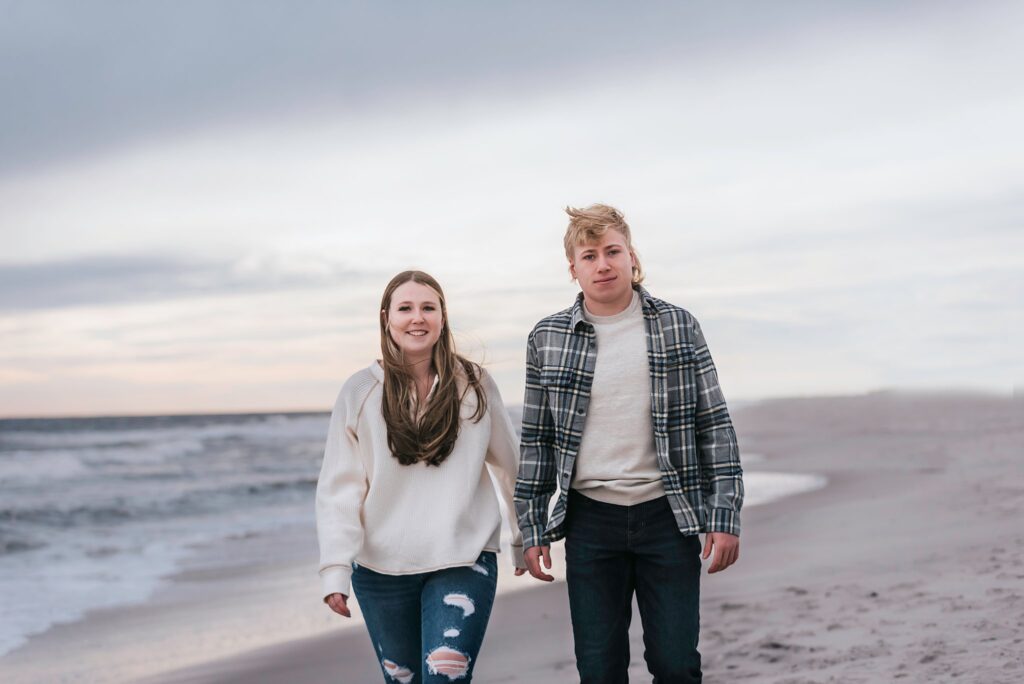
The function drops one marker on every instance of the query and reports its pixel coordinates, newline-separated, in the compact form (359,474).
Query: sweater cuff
(724,520)
(518,560)
(336,579)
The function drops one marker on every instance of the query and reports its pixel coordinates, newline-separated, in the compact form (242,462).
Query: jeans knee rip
(399,673)
(448,662)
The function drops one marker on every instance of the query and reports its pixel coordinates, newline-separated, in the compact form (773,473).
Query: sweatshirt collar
(577,317)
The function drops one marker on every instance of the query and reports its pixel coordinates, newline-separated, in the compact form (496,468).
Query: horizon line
(1013,394)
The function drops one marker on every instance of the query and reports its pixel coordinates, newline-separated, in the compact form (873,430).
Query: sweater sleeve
(340,492)
(503,461)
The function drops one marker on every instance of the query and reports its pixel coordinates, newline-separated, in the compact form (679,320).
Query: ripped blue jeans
(428,627)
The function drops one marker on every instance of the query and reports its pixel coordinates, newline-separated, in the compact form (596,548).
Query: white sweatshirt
(400,520)
(617,462)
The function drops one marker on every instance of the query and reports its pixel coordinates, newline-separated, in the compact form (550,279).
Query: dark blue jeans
(428,627)
(612,551)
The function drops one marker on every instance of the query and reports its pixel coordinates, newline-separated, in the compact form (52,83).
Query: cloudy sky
(200,202)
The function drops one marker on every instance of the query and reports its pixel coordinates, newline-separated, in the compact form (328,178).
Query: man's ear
(572,270)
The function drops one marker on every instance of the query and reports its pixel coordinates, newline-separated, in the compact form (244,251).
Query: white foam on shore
(86,570)
(762,488)
(74,587)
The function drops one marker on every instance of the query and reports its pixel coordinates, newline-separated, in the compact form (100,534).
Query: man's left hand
(727,550)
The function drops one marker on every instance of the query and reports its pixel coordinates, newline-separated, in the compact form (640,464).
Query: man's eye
(588,257)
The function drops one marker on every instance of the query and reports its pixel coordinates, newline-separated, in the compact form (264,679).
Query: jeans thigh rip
(462,601)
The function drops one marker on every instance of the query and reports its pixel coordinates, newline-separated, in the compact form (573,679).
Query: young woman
(406,511)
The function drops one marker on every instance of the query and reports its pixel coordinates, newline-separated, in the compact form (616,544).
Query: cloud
(832,188)
(105,280)
(83,77)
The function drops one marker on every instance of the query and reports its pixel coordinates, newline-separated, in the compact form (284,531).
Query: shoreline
(873,577)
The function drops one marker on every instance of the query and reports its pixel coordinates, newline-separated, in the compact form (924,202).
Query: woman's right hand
(339,604)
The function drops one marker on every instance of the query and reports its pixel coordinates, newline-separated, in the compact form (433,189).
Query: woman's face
(415,320)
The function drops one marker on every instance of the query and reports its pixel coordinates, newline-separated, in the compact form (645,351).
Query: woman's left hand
(339,604)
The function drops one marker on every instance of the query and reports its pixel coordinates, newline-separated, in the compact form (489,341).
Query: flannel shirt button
(581,412)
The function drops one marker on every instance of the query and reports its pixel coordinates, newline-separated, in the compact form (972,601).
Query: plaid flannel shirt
(693,435)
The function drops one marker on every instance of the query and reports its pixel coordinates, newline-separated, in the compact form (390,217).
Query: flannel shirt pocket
(679,355)
(561,386)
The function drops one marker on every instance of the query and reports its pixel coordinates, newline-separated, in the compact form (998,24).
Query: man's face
(604,270)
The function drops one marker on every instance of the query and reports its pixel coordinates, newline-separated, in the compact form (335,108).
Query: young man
(624,417)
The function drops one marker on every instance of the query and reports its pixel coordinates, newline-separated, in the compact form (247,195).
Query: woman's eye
(403,308)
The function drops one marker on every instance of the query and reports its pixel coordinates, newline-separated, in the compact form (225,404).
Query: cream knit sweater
(400,520)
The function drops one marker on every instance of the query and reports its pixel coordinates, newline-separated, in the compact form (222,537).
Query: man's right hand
(338,604)
(533,556)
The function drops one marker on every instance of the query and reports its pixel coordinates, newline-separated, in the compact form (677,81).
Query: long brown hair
(429,434)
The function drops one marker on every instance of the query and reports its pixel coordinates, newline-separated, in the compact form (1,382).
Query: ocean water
(95,512)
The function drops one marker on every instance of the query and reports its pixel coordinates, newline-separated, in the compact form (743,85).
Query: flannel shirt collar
(646,303)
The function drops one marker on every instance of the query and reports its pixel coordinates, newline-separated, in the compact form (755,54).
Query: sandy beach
(907,566)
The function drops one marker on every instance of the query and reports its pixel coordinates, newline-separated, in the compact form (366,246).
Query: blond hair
(587,226)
